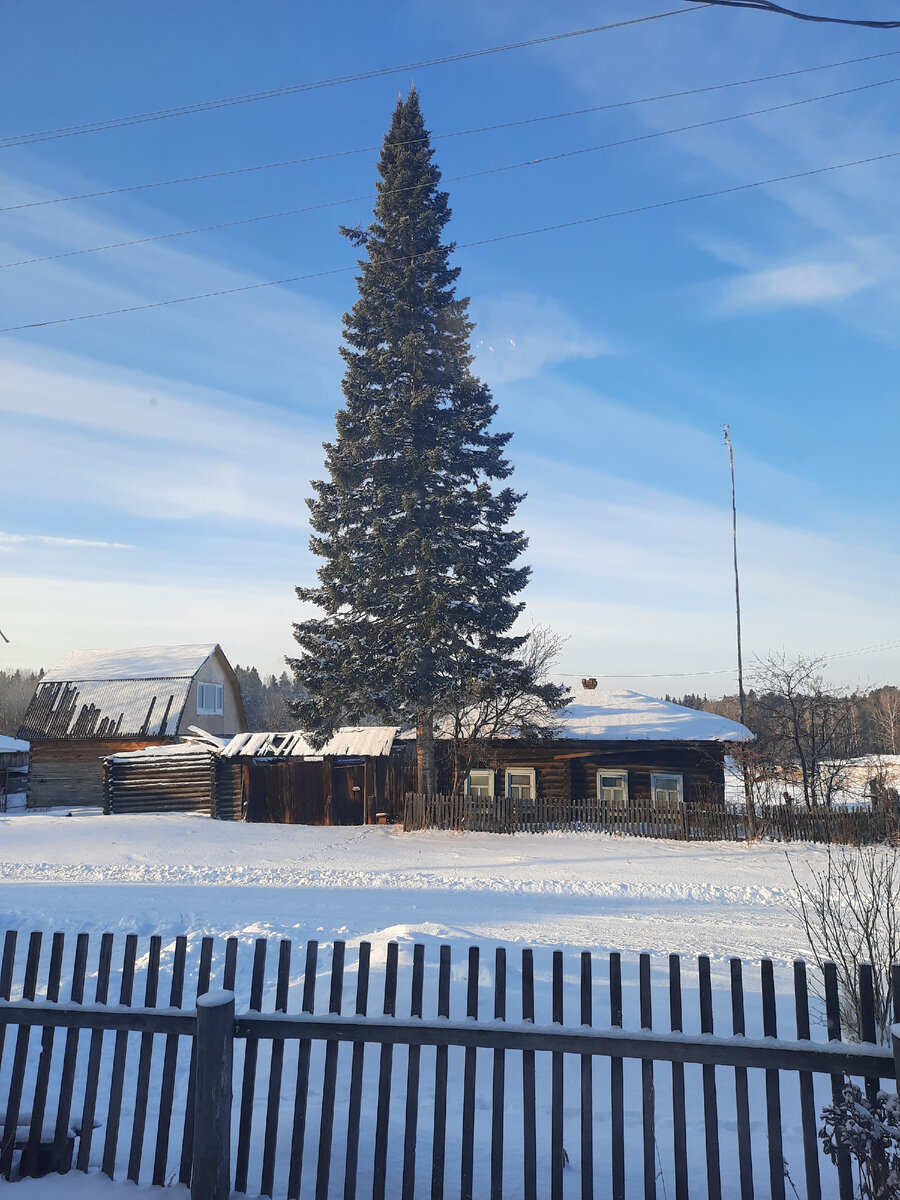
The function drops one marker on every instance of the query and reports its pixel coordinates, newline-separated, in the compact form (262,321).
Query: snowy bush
(869,1131)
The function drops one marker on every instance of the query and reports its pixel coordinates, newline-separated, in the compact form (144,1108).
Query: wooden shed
(359,777)
(614,745)
(97,703)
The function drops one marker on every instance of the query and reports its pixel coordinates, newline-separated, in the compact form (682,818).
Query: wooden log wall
(159,783)
(70,773)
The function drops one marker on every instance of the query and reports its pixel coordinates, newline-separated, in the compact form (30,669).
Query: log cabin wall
(567,769)
(69,774)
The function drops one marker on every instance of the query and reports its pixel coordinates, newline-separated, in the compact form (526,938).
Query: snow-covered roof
(142,662)
(11,745)
(371,741)
(625,716)
(180,750)
(106,708)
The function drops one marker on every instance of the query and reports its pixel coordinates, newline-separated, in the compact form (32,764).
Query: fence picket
(499,1079)
(587,1085)
(616,1082)
(648,1095)
(301,1091)
(807,1095)
(710,1099)
(412,1080)
(773,1086)
(170,1059)
(70,1055)
(383,1104)
(120,1049)
(833,1021)
(326,1120)
(441,1062)
(679,1116)
(276,1067)
(529,1116)
(467,1149)
(248,1082)
(204,972)
(354,1107)
(38,1108)
(142,1088)
(20,1058)
(741,1091)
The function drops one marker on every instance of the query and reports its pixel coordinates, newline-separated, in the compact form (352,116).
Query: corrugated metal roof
(143,662)
(370,741)
(106,708)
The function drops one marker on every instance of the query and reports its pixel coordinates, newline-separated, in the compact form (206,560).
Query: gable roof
(137,693)
(625,716)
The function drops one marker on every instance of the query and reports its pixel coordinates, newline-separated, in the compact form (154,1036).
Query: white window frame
(530,771)
(203,708)
(601,774)
(667,775)
(490,782)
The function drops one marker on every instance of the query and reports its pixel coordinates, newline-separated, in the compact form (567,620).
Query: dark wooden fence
(685,822)
(507,1074)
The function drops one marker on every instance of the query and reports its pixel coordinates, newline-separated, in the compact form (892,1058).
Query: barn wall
(70,773)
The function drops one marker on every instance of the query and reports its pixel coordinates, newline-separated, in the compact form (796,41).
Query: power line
(769,6)
(575,112)
(503,237)
(181,110)
(530,162)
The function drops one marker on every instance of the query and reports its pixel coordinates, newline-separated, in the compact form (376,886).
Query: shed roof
(369,741)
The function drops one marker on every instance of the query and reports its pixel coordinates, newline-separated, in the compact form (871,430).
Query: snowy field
(173,875)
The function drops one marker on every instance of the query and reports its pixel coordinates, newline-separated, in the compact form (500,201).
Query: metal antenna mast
(737,585)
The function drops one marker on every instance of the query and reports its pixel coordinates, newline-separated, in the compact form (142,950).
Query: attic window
(210,699)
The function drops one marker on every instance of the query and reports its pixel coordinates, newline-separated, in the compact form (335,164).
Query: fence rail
(684,822)
(561,1071)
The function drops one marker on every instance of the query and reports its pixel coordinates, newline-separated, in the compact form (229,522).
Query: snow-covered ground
(179,874)
(186,874)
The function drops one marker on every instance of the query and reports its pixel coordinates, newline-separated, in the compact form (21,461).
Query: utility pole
(742,699)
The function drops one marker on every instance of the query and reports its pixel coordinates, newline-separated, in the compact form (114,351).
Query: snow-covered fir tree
(420,569)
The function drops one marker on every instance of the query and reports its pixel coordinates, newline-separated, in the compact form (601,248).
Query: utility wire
(503,237)
(769,6)
(181,110)
(575,112)
(529,162)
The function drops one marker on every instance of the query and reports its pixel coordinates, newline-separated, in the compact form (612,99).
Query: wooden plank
(170,1062)
(710,1099)
(587,1085)
(741,1091)
(92,1080)
(498,1083)
(326,1122)
(151,985)
(408,1184)
(773,1086)
(276,1067)
(467,1149)
(383,1104)
(808,1115)
(439,1133)
(20,1059)
(212,1120)
(38,1108)
(248,1079)
(557,1149)
(120,1049)
(354,1108)
(301,1090)
(648,1095)
(529,1119)
(204,973)
(616,1082)
(7,964)
(679,1117)
(70,1053)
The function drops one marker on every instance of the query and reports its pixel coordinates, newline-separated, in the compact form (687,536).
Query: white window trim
(219,702)
(667,775)
(618,775)
(510,771)
(481,771)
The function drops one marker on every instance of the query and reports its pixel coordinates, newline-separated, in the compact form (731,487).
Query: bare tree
(808,729)
(849,910)
(523,702)
(886,716)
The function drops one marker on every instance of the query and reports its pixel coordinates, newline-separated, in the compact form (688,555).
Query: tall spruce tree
(419,577)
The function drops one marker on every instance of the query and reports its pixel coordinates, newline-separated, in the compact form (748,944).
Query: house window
(613,786)
(520,783)
(667,789)
(480,784)
(210,699)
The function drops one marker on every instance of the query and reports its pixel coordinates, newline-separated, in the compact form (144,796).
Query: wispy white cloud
(800,284)
(519,334)
(9,542)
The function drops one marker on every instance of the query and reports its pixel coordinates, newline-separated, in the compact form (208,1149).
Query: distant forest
(870,721)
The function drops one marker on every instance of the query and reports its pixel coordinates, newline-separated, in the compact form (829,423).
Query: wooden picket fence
(575,1071)
(685,822)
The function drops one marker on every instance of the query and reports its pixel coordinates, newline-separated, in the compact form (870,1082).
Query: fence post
(211,1174)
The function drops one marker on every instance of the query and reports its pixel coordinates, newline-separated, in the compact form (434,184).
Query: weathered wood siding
(70,773)
(157,783)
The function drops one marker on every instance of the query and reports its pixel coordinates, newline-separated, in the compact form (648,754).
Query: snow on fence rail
(528,1095)
(684,822)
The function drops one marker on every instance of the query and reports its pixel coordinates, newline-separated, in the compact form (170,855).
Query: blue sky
(155,463)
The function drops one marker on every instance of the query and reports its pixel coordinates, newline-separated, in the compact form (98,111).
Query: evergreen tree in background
(419,575)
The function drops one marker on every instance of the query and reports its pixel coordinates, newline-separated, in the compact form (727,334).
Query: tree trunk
(425,750)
